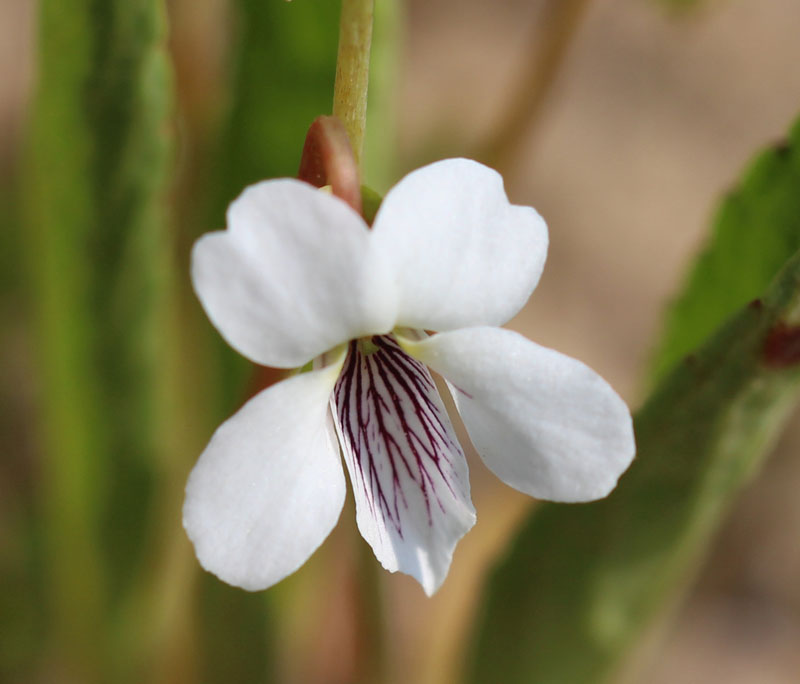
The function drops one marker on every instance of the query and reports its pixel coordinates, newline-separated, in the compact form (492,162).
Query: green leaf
(582,582)
(98,263)
(756,228)
(285,63)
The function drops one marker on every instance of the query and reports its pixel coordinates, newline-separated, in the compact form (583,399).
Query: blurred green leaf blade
(98,262)
(582,583)
(756,228)
(284,66)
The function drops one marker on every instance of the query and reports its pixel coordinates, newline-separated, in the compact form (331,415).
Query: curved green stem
(352,70)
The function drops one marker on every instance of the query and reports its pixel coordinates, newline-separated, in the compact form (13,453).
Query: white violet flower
(297,277)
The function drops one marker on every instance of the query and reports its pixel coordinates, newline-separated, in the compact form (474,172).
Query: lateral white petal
(269,487)
(408,472)
(543,422)
(462,254)
(294,274)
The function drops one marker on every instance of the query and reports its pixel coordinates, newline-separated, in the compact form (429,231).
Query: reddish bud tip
(328,160)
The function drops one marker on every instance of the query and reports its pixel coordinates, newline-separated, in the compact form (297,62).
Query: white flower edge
(269,487)
(544,423)
(298,272)
(295,274)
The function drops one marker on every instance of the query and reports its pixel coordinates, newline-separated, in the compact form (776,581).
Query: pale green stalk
(350,106)
(352,70)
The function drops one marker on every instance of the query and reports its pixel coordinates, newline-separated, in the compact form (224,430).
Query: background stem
(551,41)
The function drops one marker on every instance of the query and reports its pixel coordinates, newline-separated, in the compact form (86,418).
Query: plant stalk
(352,70)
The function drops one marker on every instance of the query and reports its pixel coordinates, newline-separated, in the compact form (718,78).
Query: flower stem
(352,70)
(373,656)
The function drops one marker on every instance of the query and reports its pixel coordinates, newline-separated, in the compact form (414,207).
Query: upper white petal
(462,255)
(409,475)
(295,274)
(269,487)
(543,422)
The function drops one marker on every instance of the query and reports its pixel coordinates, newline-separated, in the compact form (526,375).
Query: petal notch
(294,275)
(462,255)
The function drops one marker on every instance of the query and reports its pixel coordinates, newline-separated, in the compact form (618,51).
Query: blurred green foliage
(284,62)
(98,254)
(755,228)
(582,583)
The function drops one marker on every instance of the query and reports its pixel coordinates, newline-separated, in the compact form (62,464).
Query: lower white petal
(543,422)
(269,487)
(409,475)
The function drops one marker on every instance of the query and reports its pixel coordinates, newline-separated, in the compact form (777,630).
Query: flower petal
(544,423)
(462,254)
(294,275)
(269,487)
(409,474)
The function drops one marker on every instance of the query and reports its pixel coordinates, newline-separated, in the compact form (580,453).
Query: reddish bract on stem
(328,160)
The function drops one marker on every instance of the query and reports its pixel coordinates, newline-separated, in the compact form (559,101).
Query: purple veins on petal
(397,439)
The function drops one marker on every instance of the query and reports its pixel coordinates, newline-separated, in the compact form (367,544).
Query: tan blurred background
(651,118)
